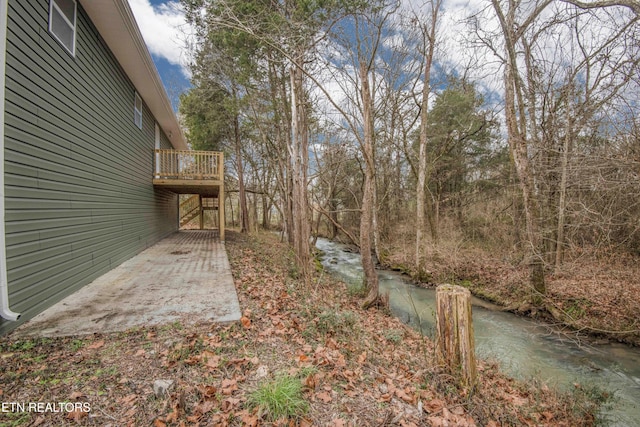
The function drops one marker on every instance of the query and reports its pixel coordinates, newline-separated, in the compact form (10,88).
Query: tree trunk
(455,340)
(233,217)
(516,120)
(366,220)
(333,218)
(298,151)
(244,214)
(266,212)
(422,150)
(562,202)
(282,123)
(376,225)
(518,145)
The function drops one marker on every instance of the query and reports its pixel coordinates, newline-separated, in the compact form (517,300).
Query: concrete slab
(186,277)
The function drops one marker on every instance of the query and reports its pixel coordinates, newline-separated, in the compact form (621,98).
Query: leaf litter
(353,373)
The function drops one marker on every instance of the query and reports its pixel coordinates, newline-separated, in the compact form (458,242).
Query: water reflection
(523,348)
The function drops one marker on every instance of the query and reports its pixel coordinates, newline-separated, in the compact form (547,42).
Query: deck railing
(188,164)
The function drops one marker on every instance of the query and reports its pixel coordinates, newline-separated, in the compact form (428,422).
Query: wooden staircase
(195,207)
(189,209)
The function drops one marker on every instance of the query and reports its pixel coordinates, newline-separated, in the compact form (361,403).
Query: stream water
(523,348)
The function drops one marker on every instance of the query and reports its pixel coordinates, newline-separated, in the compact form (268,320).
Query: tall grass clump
(280,397)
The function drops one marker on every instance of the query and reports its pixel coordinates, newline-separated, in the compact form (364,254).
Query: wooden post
(221,197)
(455,342)
(201,212)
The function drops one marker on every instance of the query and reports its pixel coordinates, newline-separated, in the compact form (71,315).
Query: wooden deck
(192,172)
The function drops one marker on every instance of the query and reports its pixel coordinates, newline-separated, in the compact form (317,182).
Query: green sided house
(92,158)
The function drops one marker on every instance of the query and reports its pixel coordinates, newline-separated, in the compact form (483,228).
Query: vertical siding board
(78,190)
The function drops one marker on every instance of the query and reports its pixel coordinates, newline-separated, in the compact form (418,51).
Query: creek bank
(505,286)
(594,298)
(524,348)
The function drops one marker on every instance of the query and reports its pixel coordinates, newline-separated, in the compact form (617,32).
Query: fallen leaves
(229,386)
(324,397)
(433,406)
(77,415)
(96,345)
(76,395)
(128,400)
(351,373)
(246,322)
(210,360)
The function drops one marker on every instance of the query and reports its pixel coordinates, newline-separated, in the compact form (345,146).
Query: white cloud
(164,30)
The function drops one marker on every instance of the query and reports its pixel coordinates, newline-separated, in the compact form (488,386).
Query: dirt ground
(352,367)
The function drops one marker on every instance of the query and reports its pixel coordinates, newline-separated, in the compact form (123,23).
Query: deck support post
(221,213)
(221,199)
(455,341)
(201,207)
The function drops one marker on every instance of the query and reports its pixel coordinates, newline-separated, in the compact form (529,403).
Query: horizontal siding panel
(113,251)
(71,103)
(20,169)
(23,181)
(27,215)
(53,192)
(49,283)
(44,267)
(82,152)
(82,239)
(78,227)
(39,204)
(48,224)
(59,236)
(120,249)
(25,138)
(13,240)
(78,193)
(34,259)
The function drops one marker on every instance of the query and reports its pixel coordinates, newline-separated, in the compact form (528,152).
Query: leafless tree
(428,30)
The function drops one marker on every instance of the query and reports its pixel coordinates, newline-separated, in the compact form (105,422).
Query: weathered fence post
(455,341)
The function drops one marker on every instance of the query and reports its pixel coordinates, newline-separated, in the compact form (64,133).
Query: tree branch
(631,4)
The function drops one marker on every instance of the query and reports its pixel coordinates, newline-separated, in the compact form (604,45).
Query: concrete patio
(184,278)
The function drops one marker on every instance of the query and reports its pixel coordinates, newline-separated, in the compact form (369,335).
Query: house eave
(117,26)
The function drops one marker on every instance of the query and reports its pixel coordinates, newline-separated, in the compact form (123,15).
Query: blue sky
(165,32)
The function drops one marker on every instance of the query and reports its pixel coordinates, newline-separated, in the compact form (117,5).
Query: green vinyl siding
(79,198)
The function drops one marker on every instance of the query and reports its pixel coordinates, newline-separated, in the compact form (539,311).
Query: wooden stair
(191,208)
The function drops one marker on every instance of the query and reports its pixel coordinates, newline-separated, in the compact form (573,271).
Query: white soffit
(117,26)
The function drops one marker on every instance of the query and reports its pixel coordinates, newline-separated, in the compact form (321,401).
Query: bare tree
(519,124)
(552,100)
(428,29)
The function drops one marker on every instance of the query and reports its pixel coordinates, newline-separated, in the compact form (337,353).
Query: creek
(523,348)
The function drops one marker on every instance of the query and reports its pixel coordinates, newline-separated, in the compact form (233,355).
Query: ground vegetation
(300,355)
